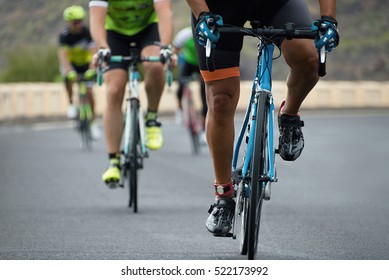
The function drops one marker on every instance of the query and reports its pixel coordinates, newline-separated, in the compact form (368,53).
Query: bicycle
(258,171)
(85,113)
(193,121)
(134,149)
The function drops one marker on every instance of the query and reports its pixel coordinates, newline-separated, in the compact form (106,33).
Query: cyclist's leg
(72,110)
(204,106)
(301,56)
(94,129)
(222,90)
(115,79)
(154,78)
(183,73)
(89,84)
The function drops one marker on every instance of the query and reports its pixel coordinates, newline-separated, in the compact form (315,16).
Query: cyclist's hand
(71,76)
(105,54)
(206,28)
(328,34)
(90,74)
(167,55)
(101,56)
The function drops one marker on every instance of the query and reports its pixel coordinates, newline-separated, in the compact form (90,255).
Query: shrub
(31,64)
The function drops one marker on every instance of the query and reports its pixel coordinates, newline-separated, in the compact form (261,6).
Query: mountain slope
(362,53)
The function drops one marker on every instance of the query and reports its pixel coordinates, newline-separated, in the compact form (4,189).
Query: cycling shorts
(120,44)
(79,70)
(227,52)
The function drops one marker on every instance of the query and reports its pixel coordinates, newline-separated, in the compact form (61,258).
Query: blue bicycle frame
(262,84)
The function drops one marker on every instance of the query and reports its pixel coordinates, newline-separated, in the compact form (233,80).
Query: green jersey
(185,42)
(127,17)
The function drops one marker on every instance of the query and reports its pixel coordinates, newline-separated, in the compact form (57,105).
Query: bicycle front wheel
(258,171)
(134,154)
(241,217)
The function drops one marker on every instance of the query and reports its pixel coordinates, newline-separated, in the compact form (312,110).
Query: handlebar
(135,59)
(119,58)
(272,34)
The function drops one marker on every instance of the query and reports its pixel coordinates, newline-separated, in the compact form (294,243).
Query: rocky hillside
(362,54)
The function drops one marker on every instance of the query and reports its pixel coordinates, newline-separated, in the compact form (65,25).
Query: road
(332,203)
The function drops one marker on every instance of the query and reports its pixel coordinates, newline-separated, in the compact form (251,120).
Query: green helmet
(74,13)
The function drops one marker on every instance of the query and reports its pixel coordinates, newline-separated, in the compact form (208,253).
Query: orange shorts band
(220,74)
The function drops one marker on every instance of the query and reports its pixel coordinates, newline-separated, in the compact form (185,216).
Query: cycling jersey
(185,42)
(127,17)
(78,46)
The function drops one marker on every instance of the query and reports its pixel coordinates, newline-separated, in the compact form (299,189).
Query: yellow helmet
(74,13)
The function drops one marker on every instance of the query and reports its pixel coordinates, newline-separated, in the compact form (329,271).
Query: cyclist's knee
(223,102)
(301,54)
(154,70)
(114,95)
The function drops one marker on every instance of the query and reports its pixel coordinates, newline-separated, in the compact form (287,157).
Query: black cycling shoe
(222,214)
(291,141)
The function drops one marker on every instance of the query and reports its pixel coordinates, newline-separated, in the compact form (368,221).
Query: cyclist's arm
(328,8)
(163,8)
(98,12)
(64,59)
(93,49)
(198,6)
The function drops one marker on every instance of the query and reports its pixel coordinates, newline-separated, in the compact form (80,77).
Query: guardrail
(35,100)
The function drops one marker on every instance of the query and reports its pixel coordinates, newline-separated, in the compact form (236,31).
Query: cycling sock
(113,156)
(224,190)
(151,115)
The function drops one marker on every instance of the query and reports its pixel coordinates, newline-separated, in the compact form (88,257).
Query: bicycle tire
(194,134)
(241,216)
(84,129)
(134,154)
(192,121)
(258,164)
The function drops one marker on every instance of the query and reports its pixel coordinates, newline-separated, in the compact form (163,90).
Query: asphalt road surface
(332,203)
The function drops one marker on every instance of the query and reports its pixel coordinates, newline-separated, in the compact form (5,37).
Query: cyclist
(222,85)
(184,46)
(75,52)
(117,26)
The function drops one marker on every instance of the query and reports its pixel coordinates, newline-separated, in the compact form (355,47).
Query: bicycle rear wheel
(134,154)
(258,171)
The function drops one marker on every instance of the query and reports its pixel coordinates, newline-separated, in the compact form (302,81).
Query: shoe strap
(114,163)
(223,202)
(290,121)
(151,123)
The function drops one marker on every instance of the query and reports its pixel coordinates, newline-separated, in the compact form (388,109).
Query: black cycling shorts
(80,69)
(268,12)
(120,44)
